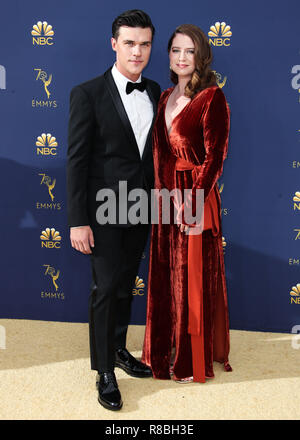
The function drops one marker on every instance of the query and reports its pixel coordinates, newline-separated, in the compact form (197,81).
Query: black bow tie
(141,86)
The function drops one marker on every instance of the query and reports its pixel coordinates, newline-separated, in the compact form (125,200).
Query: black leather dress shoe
(109,395)
(130,365)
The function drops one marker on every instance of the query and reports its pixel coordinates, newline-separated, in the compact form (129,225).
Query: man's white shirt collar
(138,107)
(120,79)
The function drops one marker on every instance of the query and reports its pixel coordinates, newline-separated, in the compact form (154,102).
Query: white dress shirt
(138,107)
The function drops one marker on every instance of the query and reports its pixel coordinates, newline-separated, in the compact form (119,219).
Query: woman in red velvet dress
(187,312)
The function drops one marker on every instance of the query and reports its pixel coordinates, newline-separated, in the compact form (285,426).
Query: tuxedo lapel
(148,144)
(150,94)
(116,98)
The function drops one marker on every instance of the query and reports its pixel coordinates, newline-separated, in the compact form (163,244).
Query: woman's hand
(183,228)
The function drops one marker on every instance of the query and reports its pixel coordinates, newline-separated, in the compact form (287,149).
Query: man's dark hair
(132,18)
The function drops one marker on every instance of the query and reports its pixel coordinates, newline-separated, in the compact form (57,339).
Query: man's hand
(82,239)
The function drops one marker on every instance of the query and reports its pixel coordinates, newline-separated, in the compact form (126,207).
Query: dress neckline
(181,111)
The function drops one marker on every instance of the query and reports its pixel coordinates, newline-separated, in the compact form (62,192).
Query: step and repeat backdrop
(46,49)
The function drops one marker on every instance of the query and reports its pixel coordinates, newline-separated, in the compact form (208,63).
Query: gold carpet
(45,374)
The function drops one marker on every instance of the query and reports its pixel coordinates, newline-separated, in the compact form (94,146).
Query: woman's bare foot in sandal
(185,380)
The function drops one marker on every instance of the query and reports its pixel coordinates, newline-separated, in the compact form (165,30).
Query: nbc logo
(295,294)
(220,34)
(42,34)
(46,145)
(2,78)
(296,200)
(50,238)
(139,286)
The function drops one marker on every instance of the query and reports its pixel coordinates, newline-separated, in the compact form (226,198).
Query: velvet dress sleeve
(216,122)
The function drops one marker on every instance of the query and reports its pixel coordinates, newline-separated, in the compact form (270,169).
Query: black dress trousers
(115,261)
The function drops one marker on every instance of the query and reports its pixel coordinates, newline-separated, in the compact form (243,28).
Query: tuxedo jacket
(102,149)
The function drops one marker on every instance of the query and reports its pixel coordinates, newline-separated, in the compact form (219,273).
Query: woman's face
(182,55)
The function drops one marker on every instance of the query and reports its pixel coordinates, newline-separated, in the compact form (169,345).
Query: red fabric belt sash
(195,272)
(211,206)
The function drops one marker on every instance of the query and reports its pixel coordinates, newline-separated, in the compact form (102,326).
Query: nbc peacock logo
(42,34)
(295,294)
(139,286)
(220,34)
(50,238)
(46,145)
(296,200)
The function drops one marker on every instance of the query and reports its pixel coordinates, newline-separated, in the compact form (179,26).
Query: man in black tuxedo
(110,125)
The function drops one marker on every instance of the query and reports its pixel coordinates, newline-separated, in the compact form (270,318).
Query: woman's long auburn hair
(202,76)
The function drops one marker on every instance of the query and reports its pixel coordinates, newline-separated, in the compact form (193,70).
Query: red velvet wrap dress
(187,308)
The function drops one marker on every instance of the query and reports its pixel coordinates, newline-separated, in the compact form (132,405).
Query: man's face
(133,48)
